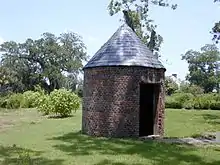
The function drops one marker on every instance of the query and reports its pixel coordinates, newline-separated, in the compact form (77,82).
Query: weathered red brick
(111,100)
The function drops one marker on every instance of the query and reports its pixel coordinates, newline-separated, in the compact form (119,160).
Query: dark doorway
(148,102)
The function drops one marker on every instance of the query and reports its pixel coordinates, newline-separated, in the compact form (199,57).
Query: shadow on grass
(212,119)
(109,162)
(58,116)
(20,156)
(159,153)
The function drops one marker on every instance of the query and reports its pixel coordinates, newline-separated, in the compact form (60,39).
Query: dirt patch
(204,139)
(4,124)
(10,119)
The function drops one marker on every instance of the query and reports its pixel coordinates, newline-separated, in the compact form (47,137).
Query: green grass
(183,123)
(33,139)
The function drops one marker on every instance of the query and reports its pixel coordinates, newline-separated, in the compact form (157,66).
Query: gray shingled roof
(124,48)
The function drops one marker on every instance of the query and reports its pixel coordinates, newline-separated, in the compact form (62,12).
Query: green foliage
(24,158)
(39,89)
(136,15)
(170,102)
(30,99)
(15,101)
(44,104)
(61,102)
(216,29)
(79,92)
(182,97)
(170,85)
(64,102)
(204,67)
(215,105)
(3,101)
(188,104)
(216,32)
(188,88)
(203,101)
(41,62)
(188,101)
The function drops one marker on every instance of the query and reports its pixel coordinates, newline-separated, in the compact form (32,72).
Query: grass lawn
(59,142)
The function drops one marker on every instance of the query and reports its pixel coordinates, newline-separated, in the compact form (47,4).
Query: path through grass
(59,142)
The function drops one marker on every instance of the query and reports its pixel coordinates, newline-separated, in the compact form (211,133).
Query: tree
(44,61)
(186,87)
(7,80)
(136,16)
(204,67)
(216,29)
(216,32)
(170,85)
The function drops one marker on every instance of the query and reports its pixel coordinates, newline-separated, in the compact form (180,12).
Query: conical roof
(124,48)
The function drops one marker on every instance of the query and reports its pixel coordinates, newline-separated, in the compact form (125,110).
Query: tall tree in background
(204,67)
(170,85)
(136,16)
(216,29)
(47,61)
(216,32)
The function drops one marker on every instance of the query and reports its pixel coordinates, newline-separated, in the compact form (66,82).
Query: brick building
(123,92)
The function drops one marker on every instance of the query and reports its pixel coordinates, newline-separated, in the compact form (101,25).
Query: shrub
(3,101)
(43,104)
(170,85)
(189,101)
(193,89)
(215,105)
(170,102)
(15,101)
(63,102)
(188,104)
(204,101)
(30,99)
(182,98)
(60,102)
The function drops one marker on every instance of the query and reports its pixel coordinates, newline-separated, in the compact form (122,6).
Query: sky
(188,27)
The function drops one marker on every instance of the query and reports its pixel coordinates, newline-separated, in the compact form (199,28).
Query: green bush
(64,102)
(179,100)
(196,101)
(170,102)
(15,101)
(215,105)
(188,88)
(182,97)
(3,101)
(188,104)
(205,101)
(60,102)
(30,99)
(188,101)
(43,104)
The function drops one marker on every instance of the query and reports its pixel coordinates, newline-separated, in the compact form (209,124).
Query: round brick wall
(111,100)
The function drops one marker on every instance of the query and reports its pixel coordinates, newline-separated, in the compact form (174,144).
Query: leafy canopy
(216,29)
(204,67)
(47,61)
(136,16)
